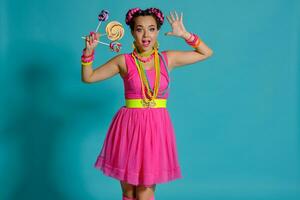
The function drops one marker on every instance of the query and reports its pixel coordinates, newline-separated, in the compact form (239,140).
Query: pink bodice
(132,82)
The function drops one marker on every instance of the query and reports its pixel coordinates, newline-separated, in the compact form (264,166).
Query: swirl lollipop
(102,17)
(114,30)
(115,46)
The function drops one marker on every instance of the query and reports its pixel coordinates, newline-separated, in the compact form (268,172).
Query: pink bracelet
(89,58)
(83,51)
(194,40)
(191,35)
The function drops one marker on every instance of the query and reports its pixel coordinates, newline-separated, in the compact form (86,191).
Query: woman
(140,146)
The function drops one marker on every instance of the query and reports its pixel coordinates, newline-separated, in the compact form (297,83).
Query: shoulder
(120,57)
(165,56)
(121,60)
(169,55)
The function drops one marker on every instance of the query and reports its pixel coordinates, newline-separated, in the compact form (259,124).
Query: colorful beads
(87,60)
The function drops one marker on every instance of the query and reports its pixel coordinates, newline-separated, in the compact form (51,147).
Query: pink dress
(140,145)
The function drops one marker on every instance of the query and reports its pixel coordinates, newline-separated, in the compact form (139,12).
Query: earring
(134,45)
(156,45)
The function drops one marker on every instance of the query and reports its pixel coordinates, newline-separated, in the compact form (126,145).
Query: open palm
(178,28)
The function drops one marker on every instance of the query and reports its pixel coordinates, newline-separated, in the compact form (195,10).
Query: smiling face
(145,32)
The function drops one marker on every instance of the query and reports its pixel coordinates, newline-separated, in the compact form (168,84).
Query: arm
(180,58)
(105,71)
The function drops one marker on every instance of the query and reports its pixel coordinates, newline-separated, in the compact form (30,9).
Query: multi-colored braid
(149,11)
(157,13)
(130,14)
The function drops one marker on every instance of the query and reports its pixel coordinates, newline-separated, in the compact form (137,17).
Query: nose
(146,33)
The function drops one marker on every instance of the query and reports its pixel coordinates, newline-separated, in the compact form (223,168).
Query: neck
(140,51)
(145,53)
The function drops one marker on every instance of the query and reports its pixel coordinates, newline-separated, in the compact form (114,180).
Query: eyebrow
(142,26)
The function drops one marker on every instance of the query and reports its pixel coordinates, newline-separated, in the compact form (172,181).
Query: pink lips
(146,43)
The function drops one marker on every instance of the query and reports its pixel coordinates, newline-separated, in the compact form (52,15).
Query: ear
(157,33)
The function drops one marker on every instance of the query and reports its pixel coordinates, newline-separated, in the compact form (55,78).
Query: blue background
(236,114)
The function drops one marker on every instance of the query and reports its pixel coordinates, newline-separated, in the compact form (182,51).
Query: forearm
(86,69)
(202,48)
(86,72)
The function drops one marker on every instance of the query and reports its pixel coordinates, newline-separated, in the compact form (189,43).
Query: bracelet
(87,56)
(93,52)
(86,63)
(196,41)
(87,59)
(191,35)
(197,44)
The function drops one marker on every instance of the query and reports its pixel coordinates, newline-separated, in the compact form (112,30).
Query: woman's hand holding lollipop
(91,42)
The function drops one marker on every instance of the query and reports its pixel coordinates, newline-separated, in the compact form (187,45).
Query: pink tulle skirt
(140,147)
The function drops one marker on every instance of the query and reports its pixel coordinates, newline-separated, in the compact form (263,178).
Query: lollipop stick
(98,42)
(98,26)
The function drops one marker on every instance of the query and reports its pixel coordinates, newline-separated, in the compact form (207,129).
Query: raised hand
(91,42)
(178,28)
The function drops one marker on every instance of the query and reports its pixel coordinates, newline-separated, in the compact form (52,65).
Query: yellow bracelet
(86,63)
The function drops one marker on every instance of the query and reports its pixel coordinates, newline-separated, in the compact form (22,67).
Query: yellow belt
(139,103)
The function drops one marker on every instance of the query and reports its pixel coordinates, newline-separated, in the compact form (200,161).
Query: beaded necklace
(144,58)
(152,93)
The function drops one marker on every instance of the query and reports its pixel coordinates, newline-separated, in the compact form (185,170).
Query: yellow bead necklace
(152,94)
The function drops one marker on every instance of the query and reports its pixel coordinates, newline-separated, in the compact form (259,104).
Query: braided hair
(135,12)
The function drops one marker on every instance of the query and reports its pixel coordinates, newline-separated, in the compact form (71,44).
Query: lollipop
(102,17)
(115,46)
(114,30)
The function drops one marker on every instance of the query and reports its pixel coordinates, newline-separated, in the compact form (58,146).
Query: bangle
(87,56)
(93,52)
(87,59)
(86,63)
(194,39)
(191,35)
(195,42)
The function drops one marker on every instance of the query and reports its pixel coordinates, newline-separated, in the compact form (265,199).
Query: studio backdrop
(236,114)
